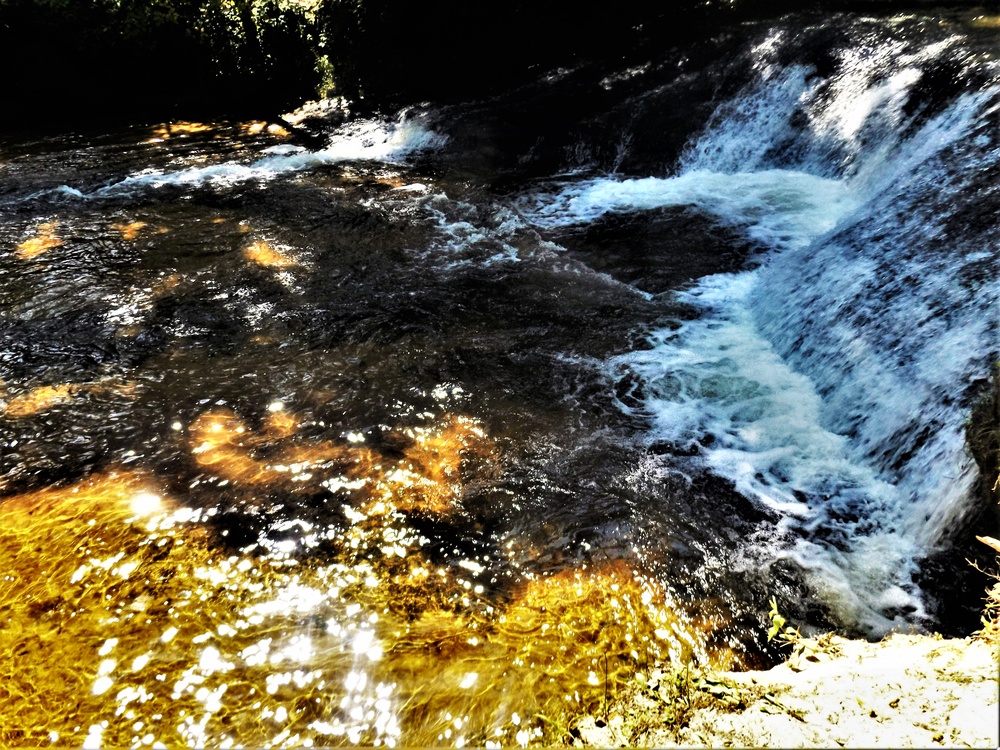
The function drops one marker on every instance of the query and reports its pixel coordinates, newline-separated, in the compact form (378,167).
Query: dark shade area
(70,63)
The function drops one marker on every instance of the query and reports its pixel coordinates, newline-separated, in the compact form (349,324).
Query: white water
(830,379)
(389,142)
(776,207)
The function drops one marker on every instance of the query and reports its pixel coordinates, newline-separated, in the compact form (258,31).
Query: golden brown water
(37,400)
(123,617)
(45,237)
(264,254)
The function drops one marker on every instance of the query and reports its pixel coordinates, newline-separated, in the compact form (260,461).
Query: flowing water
(441,433)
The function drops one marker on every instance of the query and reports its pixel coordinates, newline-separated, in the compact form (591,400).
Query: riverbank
(909,690)
(906,691)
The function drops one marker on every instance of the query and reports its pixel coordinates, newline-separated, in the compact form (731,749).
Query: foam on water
(718,384)
(829,382)
(767,107)
(776,207)
(391,142)
(469,235)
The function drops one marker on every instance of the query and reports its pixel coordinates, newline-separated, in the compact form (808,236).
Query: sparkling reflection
(125,603)
(268,256)
(37,400)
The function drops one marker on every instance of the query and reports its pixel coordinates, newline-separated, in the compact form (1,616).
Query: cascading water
(831,383)
(439,434)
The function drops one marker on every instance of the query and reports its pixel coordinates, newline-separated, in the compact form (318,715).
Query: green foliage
(389,53)
(787,635)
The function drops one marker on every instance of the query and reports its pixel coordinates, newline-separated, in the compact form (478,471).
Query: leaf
(777,621)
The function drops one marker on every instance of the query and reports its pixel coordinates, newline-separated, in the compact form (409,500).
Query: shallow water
(442,433)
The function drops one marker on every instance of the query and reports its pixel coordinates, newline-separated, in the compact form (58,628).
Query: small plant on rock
(787,635)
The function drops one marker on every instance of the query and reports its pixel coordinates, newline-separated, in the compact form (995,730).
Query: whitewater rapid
(827,381)
(377,140)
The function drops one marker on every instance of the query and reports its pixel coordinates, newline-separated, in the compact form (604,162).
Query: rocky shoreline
(909,690)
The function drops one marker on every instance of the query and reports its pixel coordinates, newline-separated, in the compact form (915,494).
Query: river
(442,430)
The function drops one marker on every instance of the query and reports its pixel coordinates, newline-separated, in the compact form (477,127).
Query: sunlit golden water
(126,622)
(44,237)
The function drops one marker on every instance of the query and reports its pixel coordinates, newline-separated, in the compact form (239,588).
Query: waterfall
(831,381)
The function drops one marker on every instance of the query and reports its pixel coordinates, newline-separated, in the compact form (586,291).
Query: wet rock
(658,250)
(983,436)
